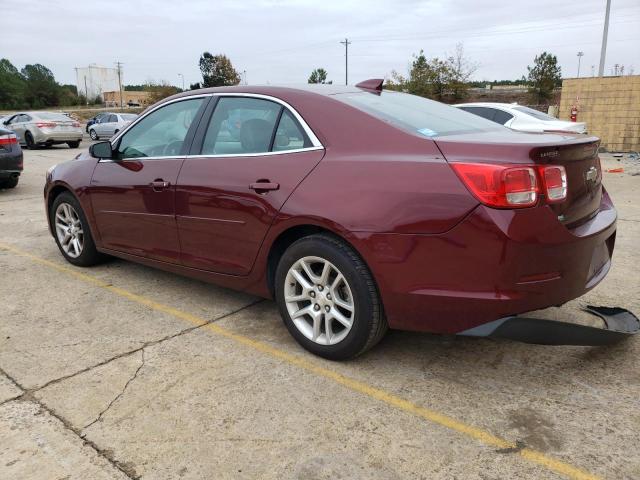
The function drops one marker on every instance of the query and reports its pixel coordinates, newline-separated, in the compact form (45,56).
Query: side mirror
(101,150)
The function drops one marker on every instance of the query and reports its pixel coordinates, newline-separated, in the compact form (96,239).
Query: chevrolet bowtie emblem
(591,175)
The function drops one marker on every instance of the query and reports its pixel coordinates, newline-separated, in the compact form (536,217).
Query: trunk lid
(578,154)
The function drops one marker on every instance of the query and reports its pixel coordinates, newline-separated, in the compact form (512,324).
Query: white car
(110,125)
(521,118)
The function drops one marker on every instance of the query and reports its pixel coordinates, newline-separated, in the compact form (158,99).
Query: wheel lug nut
(328,296)
(320,287)
(327,308)
(312,294)
(316,307)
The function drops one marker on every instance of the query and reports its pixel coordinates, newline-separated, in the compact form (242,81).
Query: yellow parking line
(483,436)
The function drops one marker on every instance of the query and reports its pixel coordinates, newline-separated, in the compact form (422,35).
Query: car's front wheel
(28,139)
(93,134)
(71,231)
(328,299)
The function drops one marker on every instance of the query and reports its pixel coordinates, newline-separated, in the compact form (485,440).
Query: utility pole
(119,65)
(180,75)
(346,44)
(580,54)
(605,33)
(244,74)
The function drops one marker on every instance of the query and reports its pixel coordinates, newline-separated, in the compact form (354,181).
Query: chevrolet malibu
(357,209)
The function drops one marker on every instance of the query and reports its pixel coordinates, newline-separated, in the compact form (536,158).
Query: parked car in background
(108,126)
(95,119)
(10,159)
(521,118)
(357,208)
(35,129)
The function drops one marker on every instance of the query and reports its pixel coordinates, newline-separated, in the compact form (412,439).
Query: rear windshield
(535,114)
(417,114)
(53,116)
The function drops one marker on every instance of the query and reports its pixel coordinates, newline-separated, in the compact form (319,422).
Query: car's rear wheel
(93,134)
(71,231)
(328,299)
(11,182)
(75,144)
(28,138)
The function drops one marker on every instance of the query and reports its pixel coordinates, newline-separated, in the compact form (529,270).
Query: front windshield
(417,114)
(535,114)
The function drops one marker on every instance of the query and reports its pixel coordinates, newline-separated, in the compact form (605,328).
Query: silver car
(110,125)
(34,129)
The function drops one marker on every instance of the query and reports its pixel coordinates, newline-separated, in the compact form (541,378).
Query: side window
(112,119)
(161,133)
(241,125)
(289,135)
(502,117)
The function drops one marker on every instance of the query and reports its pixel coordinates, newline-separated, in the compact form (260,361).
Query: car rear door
(133,194)
(249,155)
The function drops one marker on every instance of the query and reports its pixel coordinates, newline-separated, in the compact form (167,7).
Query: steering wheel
(172,149)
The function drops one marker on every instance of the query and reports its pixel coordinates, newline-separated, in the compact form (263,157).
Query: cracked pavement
(93,385)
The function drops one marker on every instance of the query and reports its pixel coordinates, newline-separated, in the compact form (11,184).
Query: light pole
(580,55)
(605,32)
(346,44)
(182,76)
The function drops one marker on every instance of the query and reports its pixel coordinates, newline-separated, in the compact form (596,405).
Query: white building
(93,80)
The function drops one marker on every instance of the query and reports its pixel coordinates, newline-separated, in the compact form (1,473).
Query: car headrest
(255,135)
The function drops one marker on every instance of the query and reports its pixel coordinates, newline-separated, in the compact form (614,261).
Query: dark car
(95,119)
(11,162)
(357,209)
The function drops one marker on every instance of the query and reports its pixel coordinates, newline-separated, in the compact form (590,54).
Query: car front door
(133,194)
(17,126)
(251,154)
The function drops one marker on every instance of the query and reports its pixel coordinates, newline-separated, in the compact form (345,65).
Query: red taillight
(554,180)
(8,139)
(500,186)
(513,186)
(76,124)
(45,125)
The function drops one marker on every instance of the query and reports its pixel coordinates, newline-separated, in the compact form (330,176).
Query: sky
(282,41)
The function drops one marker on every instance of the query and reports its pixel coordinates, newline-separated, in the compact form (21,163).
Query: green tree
(11,86)
(319,75)
(429,77)
(159,91)
(544,76)
(217,71)
(41,88)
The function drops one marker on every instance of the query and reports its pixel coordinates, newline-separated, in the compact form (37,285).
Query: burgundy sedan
(357,209)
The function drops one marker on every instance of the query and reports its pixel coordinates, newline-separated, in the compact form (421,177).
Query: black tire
(75,144)
(9,182)
(369,324)
(93,134)
(89,255)
(28,138)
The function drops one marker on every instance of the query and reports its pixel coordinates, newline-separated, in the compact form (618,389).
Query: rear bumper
(494,264)
(11,164)
(58,137)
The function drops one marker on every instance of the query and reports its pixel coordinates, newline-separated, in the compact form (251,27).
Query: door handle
(263,187)
(159,184)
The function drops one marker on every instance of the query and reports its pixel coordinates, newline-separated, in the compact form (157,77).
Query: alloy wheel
(319,300)
(69,230)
